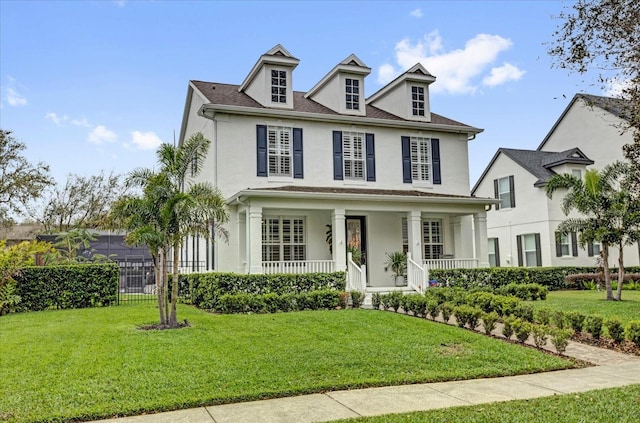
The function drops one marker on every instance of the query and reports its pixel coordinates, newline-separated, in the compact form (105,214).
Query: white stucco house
(521,229)
(377,174)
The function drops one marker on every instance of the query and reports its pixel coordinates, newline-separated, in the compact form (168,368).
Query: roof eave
(209,111)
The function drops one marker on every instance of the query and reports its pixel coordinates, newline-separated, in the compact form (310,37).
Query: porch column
(414,235)
(456,227)
(480,232)
(339,236)
(254,239)
(242,242)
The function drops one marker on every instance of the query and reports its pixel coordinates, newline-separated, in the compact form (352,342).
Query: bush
(558,319)
(467,315)
(205,289)
(576,320)
(593,325)
(64,287)
(357,298)
(524,312)
(432,308)
(344,299)
(632,332)
(521,329)
(615,328)
(560,339)
(416,304)
(540,334)
(446,309)
(542,316)
(376,300)
(392,300)
(489,321)
(507,326)
(272,302)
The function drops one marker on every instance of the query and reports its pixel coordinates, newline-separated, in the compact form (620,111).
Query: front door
(357,239)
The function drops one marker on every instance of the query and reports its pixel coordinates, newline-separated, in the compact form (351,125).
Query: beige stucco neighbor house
(521,229)
(377,174)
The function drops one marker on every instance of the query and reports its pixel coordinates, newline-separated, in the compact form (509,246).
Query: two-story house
(310,175)
(522,228)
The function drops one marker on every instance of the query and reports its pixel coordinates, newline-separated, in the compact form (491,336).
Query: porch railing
(298,267)
(463,263)
(356,275)
(416,275)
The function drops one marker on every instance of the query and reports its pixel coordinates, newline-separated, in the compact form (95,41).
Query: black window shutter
(538,251)
(298,166)
(512,191)
(574,244)
(261,136)
(371,157)
(590,249)
(406,160)
(558,245)
(496,248)
(495,193)
(337,156)
(519,245)
(435,160)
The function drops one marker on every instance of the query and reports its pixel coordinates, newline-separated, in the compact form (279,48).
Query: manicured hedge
(204,290)
(273,303)
(73,286)
(553,278)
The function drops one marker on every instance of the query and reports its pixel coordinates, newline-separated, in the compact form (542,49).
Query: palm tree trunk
(173,318)
(620,272)
(607,271)
(160,285)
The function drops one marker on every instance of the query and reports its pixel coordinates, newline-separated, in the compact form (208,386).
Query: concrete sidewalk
(612,369)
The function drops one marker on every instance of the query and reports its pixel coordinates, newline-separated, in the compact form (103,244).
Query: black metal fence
(137,279)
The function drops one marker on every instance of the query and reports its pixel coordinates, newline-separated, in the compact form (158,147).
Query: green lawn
(594,302)
(620,405)
(84,364)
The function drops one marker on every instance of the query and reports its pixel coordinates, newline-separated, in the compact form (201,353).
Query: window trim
(427,238)
(350,155)
(522,258)
(418,164)
(279,130)
(495,242)
(511,192)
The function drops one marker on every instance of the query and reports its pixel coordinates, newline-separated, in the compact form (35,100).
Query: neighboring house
(20,232)
(380,174)
(522,228)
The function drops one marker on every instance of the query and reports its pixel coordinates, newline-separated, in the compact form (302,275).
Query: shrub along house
(311,175)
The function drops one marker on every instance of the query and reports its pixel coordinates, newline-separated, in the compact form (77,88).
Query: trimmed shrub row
(553,278)
(62,287)
(273,303)
(204,290)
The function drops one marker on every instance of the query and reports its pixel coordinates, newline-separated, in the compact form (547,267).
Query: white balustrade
(356,275)
(298,267)
(416,275)
(464,263)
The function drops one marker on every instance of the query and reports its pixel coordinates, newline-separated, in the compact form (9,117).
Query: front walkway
(612,369)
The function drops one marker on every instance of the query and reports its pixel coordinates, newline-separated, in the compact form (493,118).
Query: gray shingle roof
(615,106)
(540,163)
(228,94)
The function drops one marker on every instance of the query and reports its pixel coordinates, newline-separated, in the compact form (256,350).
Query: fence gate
(137,280)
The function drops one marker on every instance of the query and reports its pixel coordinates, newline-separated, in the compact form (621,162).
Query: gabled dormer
(342,89)
(270,80)
(407,96)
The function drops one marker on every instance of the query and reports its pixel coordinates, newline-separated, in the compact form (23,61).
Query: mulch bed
(158,326)
(626,347)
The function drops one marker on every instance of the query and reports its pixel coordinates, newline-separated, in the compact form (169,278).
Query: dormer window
(278,86)
(352,90)
(417,101)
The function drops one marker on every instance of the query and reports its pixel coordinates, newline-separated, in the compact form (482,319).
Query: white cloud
(101,134)
(14,98)
(502,74)
(458,70)
(615,87)
(416,13)
(53,117)
(145,140)
(120,3)
(81,122)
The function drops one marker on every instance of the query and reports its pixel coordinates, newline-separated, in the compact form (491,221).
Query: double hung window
(353,155)
(417,101)
(432,239)
(352,94)
(279,148)
(420,159)
(283,239)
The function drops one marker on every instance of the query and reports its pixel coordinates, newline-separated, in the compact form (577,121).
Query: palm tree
(610,216)
(167,212)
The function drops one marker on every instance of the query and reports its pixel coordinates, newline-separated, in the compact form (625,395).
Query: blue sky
(96,85)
